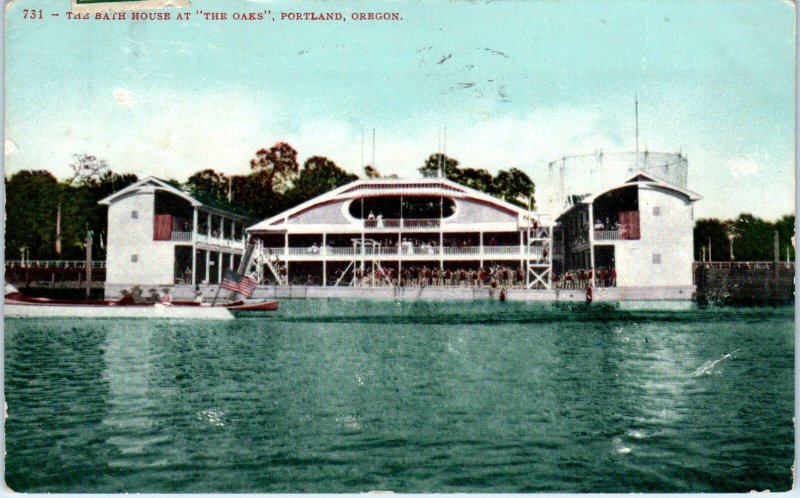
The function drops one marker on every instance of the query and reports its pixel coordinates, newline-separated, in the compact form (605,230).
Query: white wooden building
(386,226)
(641,228)
(160,235)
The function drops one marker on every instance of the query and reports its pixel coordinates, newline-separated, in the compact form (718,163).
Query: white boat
(24,309)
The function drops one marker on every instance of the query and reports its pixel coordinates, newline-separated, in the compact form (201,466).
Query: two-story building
(160,235)
(641,229)
(379,228)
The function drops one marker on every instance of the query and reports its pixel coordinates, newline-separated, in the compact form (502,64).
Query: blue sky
(517,84)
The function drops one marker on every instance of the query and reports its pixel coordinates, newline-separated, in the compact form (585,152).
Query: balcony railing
(181,237)
(219,241)
(315,252)
(57,263)
(607,235)
(395,223)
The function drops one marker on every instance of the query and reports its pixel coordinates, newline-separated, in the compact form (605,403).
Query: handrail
(751,265)
(53,263)
(405,250)
(380,223)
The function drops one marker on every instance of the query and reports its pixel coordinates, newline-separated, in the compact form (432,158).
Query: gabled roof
(644,179)
(639,178)
(151,182)
(391,186)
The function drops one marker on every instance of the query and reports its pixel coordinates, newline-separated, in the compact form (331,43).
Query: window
(656,210)
(135,214)
(134,258)
(656,259)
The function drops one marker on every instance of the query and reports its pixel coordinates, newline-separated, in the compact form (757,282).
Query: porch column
(286,246)
(324,252)
(480,248)
(219,265)
(441,247)
(194,246)
(208,267)
(591,241)
(194,263)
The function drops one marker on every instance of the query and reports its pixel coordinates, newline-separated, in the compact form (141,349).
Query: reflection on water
(331,396)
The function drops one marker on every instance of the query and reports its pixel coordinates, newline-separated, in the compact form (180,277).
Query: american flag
(232,281)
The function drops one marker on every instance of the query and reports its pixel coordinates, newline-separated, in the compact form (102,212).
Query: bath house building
(372,230)
(641,229)
(160,235)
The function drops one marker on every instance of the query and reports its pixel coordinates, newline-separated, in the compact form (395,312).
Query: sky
(516,84)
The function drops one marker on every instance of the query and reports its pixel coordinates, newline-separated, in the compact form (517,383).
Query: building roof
(151,182)
(640,178)
(377,187)
(645,179)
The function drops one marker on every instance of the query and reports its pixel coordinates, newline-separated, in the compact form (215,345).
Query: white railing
(461,251)
(503,249)
(181,236)
(422,223)
(403,223)
(607,235)
(55,263)
(219,241)
(434,251)
(381,223)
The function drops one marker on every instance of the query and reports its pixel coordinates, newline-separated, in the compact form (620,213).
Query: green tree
(31,206)
(448,165)
(516,187)
(785,228)
(716,231)
(754,236)
(318,176)
(210,182)
(477,178)
(279,162)
(254,194)
(372,172)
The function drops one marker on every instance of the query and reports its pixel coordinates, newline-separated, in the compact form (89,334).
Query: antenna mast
(439,156)
(636,97)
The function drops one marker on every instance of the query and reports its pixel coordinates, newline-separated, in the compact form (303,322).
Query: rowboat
(262,306)
(19,305)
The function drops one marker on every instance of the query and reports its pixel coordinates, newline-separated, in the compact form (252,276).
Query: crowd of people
(421,276)
(413,245)
(580,279)
(136,296)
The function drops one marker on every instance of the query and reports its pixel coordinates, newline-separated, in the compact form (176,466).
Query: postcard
(298,246)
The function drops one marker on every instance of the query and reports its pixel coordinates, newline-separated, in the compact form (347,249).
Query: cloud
(125,98)
(743,168)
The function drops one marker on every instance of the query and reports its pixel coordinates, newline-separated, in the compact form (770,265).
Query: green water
(328,396)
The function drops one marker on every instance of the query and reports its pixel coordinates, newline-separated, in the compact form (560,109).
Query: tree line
(749,238)
(275,182)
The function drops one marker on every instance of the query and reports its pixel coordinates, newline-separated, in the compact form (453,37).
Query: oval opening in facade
(406,207)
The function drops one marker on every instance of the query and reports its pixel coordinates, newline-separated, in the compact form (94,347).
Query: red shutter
(162,227)
(629,225)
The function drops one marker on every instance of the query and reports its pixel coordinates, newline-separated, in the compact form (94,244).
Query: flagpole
(218,289)
(244,264)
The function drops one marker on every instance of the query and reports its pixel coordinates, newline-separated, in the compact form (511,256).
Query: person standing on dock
(166,298)
(155,297)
